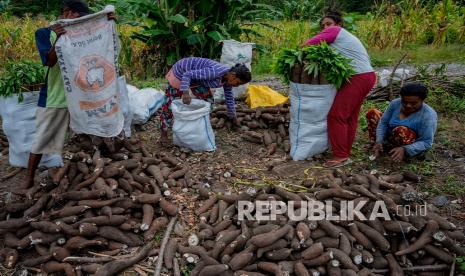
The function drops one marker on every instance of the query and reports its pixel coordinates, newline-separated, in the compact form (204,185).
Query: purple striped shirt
(209,73)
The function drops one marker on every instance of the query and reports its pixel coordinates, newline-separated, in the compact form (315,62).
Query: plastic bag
(144,103)
(310,105)
(19,126)
(125,106)
(191,127)
(262,95)
(234,52)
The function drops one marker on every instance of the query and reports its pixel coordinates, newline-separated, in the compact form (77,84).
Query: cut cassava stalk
(163,245)
(86,260)
(117,266)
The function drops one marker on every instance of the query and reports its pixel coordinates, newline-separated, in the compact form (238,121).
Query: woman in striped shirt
(199,75)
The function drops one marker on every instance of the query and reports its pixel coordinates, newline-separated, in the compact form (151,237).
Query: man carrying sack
(52,117)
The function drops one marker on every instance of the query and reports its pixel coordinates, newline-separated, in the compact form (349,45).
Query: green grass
(419,54)
(158,83)
(451,186)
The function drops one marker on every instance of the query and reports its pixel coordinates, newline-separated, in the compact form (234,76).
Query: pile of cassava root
(274,121)
(108,198)
(3,143)
(408,244)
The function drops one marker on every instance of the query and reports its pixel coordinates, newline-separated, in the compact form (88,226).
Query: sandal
(336,163)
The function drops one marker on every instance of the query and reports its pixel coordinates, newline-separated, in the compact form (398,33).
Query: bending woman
(407,127)
(343,116)
(199,75)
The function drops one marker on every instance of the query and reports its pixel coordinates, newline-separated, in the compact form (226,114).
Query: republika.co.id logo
(314,210)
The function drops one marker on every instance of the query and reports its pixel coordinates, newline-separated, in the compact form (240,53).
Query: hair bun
(334,13)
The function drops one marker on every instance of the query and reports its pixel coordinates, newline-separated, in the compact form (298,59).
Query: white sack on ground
(191,126)
(88,55)
(308,132)
(234,52)
(19,126)
(144,103)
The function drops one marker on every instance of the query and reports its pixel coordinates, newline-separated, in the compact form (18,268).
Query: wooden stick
(140,271)
(11,174)
(83,260)
(452,269)
(422,268)
(391,92)
(163,245)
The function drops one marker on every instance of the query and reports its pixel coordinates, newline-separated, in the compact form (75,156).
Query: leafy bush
(21,77)
(173,29)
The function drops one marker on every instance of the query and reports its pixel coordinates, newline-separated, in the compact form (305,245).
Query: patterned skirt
(400,135)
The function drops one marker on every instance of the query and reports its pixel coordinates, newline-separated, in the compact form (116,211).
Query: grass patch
(451,186)
(158,83)
(418,54)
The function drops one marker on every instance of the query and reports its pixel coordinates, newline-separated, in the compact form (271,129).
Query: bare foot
(337,162)
(28,183)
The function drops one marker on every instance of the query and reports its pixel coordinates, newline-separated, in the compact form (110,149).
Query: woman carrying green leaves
(343,116)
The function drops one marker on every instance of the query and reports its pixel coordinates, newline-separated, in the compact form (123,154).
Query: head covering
(79,6)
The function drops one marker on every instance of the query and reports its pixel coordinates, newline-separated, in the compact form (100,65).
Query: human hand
(234,123)
(186,98)
(58,29)
(377,149)
(397,154)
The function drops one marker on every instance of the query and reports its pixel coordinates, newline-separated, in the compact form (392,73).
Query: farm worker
(199,75)
(343,115)
(407,127)
(52,116)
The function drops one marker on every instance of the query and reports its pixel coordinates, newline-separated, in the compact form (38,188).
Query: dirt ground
(240,165)
(442,170)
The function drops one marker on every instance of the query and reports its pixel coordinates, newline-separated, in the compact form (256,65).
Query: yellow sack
(262,95)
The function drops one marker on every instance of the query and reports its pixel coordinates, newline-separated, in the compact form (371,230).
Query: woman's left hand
(397,154)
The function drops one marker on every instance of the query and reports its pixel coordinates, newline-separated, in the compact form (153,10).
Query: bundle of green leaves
(287,59)
(19,77)
(316,60)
